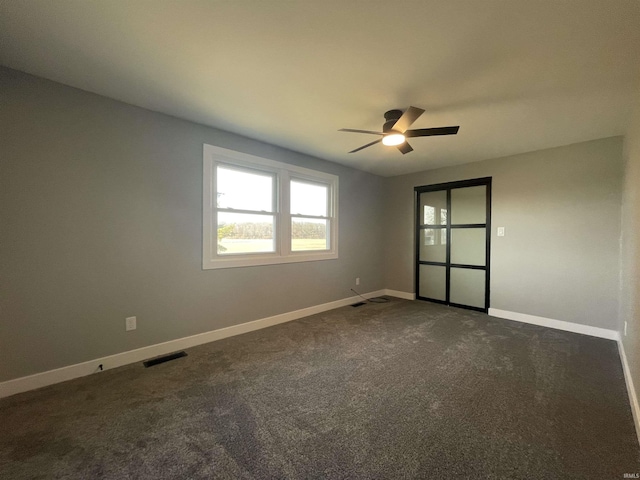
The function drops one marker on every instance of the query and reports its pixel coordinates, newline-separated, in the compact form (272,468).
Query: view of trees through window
(245,237)
(246,213)
(258,237)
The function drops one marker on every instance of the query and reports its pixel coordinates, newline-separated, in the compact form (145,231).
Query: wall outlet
(130,323)
(357,280)
(501,231)
(625,329)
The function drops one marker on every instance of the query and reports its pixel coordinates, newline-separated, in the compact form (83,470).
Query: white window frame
(284,173)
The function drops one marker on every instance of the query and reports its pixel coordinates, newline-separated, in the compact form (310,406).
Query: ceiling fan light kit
(392,139)
(395,130)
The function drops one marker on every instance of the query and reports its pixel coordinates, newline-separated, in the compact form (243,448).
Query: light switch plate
(501,231)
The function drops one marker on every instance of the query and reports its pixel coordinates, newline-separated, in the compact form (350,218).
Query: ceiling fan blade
(365,146)
(429,132)
(405,148)
(359,131)
(407,118)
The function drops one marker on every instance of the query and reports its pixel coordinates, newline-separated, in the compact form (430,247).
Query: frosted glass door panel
(433,208)
(467,287)
(469,205)
(433,282)
(468,246)
(433,245)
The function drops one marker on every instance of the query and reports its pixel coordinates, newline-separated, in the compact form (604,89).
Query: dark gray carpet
(397,390)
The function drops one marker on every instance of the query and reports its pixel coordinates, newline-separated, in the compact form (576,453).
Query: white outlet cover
(501,231)
(130,323)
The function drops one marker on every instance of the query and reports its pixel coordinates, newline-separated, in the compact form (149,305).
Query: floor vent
(163,358)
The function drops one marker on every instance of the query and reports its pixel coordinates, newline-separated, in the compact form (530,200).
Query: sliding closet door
(452,243)
(432,245)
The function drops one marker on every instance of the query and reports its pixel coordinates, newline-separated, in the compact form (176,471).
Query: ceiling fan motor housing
(391,117)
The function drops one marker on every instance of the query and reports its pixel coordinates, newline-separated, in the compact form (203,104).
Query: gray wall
(559,258)
(101,218)
(630,264)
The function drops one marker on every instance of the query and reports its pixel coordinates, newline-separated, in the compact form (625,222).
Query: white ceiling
(516,75)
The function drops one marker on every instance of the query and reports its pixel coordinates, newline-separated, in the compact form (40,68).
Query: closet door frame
(419,226)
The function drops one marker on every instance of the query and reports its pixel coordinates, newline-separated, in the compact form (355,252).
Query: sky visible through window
(242,190)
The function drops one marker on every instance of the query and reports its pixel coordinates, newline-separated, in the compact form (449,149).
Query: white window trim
(212,156)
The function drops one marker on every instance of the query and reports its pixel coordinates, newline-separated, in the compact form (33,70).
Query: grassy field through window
(242,245)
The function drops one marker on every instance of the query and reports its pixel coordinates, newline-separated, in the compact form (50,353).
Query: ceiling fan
(395,133)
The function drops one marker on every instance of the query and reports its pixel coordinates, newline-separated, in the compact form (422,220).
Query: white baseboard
(38,380)
(633,399)
(557,324)
(399,294)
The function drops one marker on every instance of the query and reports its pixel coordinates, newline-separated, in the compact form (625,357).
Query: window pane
(309,199)
(309,234)
(245,233)
(244,190)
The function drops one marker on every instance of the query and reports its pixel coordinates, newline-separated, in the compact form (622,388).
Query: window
(260,212)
